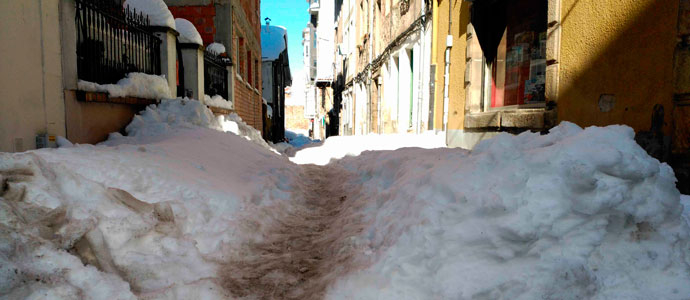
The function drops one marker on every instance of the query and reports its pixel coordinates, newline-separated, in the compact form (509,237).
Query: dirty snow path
(307,249)
(178,211)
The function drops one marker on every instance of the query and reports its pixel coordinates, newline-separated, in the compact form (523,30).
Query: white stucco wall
(30,73)
(325,41)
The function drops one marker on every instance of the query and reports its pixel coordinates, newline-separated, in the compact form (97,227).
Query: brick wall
(252,12)
(247,58)
(248,104)
(202,18)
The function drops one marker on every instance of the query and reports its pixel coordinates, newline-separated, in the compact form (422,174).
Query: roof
(273,41)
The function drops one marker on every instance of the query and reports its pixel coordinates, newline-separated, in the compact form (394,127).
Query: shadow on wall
(616,67)
(613,72)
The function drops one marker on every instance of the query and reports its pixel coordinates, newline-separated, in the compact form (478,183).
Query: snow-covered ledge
(136,88)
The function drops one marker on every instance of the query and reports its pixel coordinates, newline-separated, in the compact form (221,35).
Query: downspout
(421,72)
(446,72)
(370,27)
(378,104)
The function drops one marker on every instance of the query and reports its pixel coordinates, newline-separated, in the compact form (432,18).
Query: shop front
(506,74)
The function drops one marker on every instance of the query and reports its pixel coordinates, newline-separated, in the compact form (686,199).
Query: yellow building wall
(30,73)
(619,47)
(460,18)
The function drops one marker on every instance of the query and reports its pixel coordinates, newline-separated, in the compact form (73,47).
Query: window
(249,67)
(256,78)
(240,57)
(518,73)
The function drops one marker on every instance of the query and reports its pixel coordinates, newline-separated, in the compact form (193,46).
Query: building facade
(235,24)
(275,70)
(318,44)
(383,66)
(42,51)
(498,71)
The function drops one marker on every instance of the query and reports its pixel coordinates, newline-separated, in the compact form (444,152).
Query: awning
(489,20)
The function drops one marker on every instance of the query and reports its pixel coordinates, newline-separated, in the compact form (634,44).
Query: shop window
(518,71)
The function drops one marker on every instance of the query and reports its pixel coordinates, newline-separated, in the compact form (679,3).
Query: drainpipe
(421,74)
(446,72)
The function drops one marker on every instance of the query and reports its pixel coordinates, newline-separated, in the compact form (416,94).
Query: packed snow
(133,85)
(189,205)
(218,101)
(685,201)
(295,141)
(337,147)
(152,215)
(298,138)
(156,10)
(520,217)
(216,48)
(188,33)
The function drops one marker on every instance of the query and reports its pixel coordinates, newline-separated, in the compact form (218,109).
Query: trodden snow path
(307,249)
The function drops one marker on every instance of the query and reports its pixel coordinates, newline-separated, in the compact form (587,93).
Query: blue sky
(293,15)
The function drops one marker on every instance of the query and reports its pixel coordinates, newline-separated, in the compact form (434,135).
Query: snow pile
(151,220)
(174,115)
(685,200)
(216,48)
(337,147)
(37,230)
(62,142)
(297,139)
(575,214)
(168,116)
(188,33)
(158,12)
(134,85)
(218,101)
(273,41)
(233,123)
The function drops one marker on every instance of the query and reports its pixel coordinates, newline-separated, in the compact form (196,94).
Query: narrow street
(306,250)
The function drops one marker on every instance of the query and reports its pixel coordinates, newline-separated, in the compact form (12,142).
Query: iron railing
(113,41)
(215,75)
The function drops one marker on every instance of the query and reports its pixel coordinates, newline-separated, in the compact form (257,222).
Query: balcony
(313,7)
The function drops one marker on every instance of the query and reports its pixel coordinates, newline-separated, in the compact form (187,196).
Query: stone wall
(294,118)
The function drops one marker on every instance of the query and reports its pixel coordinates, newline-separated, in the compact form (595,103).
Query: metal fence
(215,75)
(113,41)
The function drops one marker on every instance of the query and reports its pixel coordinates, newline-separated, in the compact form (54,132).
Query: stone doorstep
(220,111)
(521,118)
(103,97)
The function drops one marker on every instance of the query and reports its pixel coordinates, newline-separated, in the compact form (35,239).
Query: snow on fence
(113,41)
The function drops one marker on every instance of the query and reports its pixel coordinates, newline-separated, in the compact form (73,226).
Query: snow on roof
(216,48)
(188,33)
(273,41)
(158,12)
